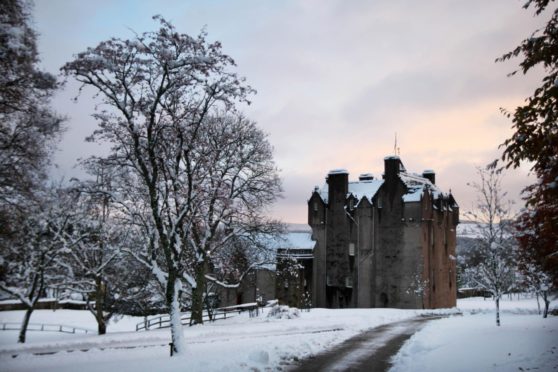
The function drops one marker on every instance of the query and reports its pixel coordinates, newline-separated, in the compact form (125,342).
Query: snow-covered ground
(474,343)
(263,343)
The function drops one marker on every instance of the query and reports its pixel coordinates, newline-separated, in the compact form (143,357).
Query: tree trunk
(197,294)
(24,324)
(546,303)
(173,304)
(538,302)
(99,305)
(498,311)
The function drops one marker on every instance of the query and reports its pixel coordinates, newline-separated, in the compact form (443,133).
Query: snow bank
(283,312)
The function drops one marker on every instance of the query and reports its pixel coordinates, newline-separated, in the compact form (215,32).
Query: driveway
(370,351)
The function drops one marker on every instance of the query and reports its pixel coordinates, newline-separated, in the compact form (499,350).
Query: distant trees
(535,140)
(494,270)
(193,173)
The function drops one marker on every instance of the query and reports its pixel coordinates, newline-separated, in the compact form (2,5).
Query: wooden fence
(163,321)
(46,328)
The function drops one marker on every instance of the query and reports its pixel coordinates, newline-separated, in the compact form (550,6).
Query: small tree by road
(495,270)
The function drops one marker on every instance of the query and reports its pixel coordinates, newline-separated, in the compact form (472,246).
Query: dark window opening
(383,300)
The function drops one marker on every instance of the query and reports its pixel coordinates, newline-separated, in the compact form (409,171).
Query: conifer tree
(535,139)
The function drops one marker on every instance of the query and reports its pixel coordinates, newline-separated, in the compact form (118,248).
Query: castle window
(349,282)
(328,281)
(315,206)
(351,204)
(351,249)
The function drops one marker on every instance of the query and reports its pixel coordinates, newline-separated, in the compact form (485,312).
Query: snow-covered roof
(359,189)
(416,184)
(296,243)
(367,187)
(293,240)
(338,171)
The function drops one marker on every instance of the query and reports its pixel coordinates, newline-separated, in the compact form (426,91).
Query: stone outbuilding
(386,242)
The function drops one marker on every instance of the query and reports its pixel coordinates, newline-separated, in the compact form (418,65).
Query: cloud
(335,79)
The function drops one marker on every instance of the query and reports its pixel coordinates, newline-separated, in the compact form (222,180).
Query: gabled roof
(365,189)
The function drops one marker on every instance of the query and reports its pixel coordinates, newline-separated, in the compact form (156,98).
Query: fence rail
(45,328)
(163,321)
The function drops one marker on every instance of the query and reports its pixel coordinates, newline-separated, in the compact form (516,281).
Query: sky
(335,81)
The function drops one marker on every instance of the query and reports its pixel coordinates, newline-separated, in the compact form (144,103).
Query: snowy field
(262,343)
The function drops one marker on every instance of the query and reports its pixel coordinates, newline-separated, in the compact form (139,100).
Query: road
(370,351)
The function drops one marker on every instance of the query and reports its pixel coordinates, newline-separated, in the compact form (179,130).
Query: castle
(383,242)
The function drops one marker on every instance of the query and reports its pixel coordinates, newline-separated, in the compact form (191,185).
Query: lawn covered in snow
(239,343)
(474,343)
(264,343)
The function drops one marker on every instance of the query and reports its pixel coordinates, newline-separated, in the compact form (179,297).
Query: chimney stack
(430,175)
(392,167)
(338,186)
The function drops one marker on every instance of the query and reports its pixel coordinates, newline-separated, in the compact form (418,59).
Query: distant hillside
(298,227)
(467,229)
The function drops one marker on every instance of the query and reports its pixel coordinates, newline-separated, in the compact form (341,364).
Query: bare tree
(92,263)
(160,89)
(495,271)
(236,183)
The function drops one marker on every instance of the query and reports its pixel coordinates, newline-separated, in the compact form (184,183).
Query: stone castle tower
(383,242)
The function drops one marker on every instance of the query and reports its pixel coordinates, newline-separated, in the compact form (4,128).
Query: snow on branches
(193,172)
